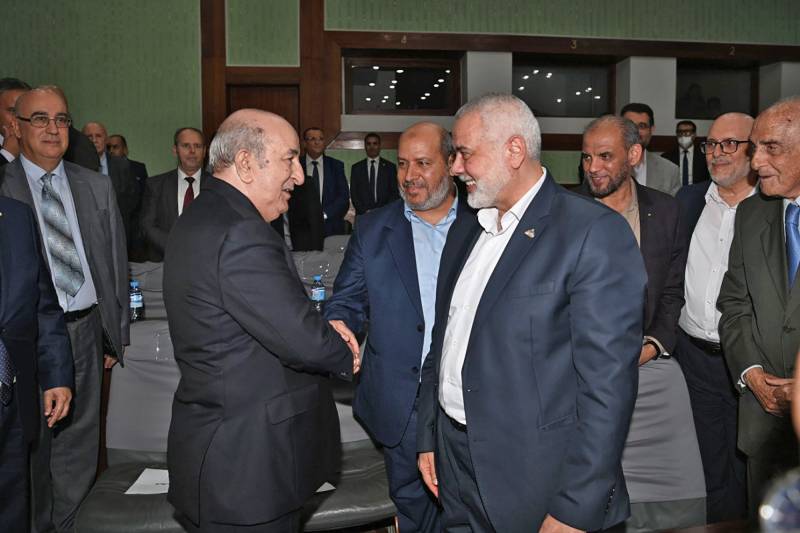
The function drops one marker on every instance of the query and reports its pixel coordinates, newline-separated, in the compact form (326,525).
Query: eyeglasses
(42,120)
(728,146)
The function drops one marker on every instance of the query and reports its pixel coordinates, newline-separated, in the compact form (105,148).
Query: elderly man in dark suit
(34,353)
(254,429)
(84,244)
(529,386)
(662,465)
(168,194)
(760,325)
(373,181)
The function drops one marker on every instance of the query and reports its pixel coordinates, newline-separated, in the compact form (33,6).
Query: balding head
(776,145)
(257,152)
(43,146)
(729,169)
(424,153)
(97,134)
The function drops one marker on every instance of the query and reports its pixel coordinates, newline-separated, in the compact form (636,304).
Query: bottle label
(318,294)
(136,301)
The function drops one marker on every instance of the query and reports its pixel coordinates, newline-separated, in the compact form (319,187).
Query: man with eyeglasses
(691,164)
(167,195)
(709,209)
(84,244)
(759,299)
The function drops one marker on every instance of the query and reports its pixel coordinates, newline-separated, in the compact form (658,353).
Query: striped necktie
(6,375)
(66,265)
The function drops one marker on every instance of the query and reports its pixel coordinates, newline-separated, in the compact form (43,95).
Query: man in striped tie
(84,246)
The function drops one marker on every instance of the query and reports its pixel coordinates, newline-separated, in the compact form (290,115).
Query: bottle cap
(317,278)
(134,284)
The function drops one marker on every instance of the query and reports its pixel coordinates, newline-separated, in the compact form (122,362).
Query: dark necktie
(6,374)
(686,167)
(315,179)
(66,265)
(189,196)
(372,191)
(792,241)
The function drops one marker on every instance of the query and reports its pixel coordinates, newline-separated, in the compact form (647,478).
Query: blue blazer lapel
(401,245)
(520,245)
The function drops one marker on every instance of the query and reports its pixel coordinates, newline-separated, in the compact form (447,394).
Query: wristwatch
(659,353)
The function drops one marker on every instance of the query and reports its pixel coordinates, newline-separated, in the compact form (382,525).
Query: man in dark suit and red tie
(168,194)
(373,181)
(530,383)
(34,354)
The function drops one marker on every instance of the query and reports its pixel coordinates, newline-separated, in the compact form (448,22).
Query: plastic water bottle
(136,302)
(318,293)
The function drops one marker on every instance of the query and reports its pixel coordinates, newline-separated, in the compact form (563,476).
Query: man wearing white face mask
(692,165)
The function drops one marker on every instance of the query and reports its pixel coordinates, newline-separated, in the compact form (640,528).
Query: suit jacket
(760,321)
(305,204)
(160,210)
(254,429)
(126,190)
(664,246)
(31,321)
(551,366)
(692,200)
(360,192)
(377,283)
(661,174)
(699,166)
(138,169)
(81,151)
(103,241)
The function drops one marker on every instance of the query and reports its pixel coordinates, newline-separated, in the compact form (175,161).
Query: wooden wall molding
(212,64)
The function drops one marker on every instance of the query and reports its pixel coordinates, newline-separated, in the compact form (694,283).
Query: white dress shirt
(103,164)
(467,296)
(183,186)
(706,265)
(641,169)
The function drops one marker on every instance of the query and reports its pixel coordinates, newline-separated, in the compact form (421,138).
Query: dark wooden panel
(212,37)
(313,99)
(262,75)
(283,100)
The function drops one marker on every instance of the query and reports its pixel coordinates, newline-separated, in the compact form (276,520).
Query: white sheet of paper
(325,487)
(150,481)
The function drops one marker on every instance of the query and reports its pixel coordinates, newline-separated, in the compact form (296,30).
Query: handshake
(350,339)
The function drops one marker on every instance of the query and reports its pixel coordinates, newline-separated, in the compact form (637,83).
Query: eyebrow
(292,152)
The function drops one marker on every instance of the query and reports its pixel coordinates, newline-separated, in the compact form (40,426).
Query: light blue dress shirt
(86,295)
(428,244)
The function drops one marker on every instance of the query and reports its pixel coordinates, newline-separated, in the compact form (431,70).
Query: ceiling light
(399,71)
(536,71)
(577,93)
(372,84)
(393,82)
(368,99)
(391,86)
(435,84)
(397,103)
(597,97)
(588,89)
(447,71)
(525,77)
(521,88)
(385,97)
(558,100)
(376,67)
(549,75)
(440,80)
(422,97)
(427,94)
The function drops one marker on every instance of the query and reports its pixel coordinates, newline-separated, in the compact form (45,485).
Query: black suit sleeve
(156,236)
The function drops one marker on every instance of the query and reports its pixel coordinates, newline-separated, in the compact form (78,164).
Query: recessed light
(558,100)
(521,88)
(372,84)
(427,94)
(597,97)
(393,82)
(397,103)
(447,71)
(577,93)
(376,67)
(549,75)
(368,99)
(525,77)
(422,97)
(435,84)
(536,71)
(399,71)
(385,97)
(440,80)
(588,89)
(391,86)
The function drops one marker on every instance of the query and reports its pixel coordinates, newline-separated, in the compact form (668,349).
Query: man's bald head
(776,148)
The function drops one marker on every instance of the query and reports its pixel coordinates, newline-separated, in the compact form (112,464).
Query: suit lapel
(16,183)
(774,248)
(401,240)
(85,206)
(170,198)
(520,245)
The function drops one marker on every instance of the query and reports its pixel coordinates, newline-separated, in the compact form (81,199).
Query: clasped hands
(350,339)
(773,393)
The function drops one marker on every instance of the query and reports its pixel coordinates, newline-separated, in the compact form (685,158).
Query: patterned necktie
(372,191)
(686,167)
(189,195)
(792,241)
(6,374)
(315,178)
(67,271)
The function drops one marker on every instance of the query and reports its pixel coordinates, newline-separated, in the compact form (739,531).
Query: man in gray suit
(84,244)
(653,171)
(760,299)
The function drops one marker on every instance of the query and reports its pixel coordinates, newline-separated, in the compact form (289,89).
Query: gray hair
(446,145)
(629,130)
(230,139)
(507,115)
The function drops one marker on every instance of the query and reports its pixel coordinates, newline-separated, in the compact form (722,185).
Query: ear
(244,162)
(635,154)
(15,128)
(174,150)
(516,150)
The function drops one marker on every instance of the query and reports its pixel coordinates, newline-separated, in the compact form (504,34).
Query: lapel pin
(530,233)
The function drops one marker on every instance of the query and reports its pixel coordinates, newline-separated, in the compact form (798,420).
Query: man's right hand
(427,468)
(767,390)
(350,339)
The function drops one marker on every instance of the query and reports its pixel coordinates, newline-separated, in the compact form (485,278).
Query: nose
(51,127)
(592,165)
(457,168)
(298,176)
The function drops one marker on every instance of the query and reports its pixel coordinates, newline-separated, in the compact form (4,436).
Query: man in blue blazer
(388,278)
(325,192)
(34,353)
(530,383)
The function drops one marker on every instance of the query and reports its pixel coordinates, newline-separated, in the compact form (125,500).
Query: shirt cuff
(742,384)
(661,351)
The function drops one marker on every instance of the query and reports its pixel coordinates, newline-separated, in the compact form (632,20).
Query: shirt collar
(318,160)
(712,195)
(487,217)
(104,160)
(376,159)
(183,175)
(36,172)
(451,213)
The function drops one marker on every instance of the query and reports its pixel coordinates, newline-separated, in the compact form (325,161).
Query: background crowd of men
(619,357)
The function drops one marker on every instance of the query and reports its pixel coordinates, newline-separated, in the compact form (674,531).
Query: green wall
(134,66)
(740,21)
(263,32)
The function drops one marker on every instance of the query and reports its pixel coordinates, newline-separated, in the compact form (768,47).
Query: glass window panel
(706,93)
(563,90)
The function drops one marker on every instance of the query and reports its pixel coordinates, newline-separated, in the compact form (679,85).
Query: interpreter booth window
(705,92)
(560,88)
(408,86)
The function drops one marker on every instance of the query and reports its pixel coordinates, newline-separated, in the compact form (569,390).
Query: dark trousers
(416,507)
(714,406)
(64,461)
(13,470)
(462,507)
(288,523)
(776,457)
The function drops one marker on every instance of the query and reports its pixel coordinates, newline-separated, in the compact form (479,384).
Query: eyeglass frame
(63,116)
(704,146)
